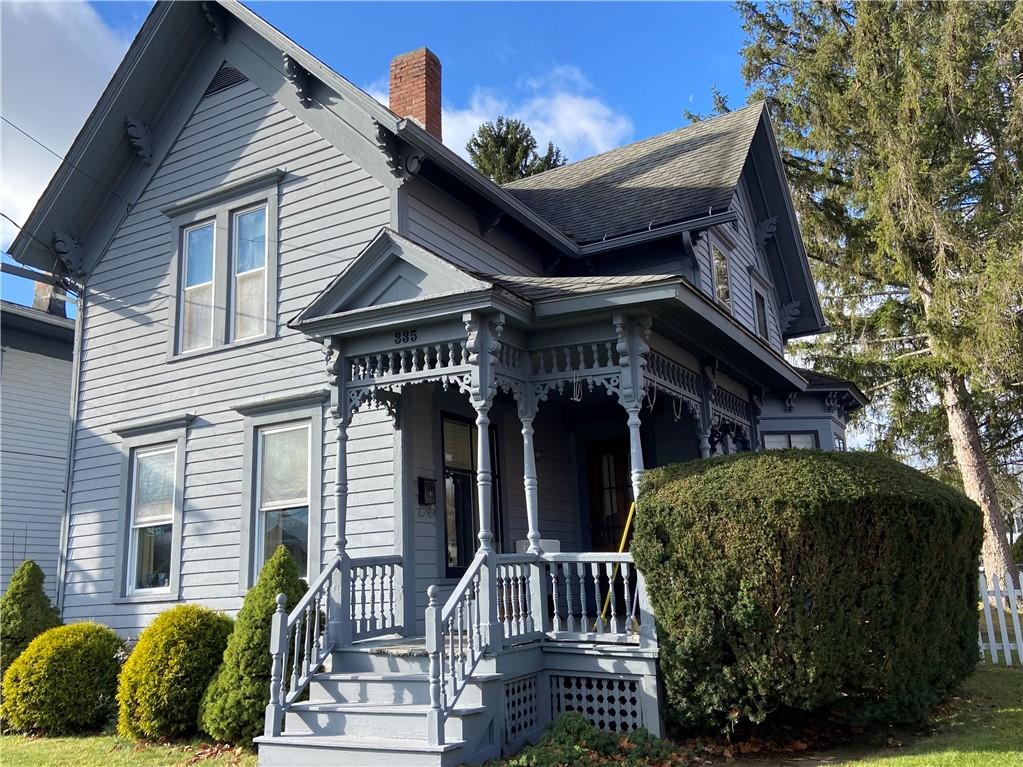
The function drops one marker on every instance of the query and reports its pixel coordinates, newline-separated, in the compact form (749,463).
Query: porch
(509,601)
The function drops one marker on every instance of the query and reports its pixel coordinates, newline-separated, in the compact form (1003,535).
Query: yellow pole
(614,573)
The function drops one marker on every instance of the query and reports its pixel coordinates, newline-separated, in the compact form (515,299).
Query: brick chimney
(415,88)
(44,299)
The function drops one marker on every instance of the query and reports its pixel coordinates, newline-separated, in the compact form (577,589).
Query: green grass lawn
(111,751)
(982,726)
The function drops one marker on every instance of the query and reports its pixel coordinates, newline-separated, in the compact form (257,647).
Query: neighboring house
(278,270)
(35,416)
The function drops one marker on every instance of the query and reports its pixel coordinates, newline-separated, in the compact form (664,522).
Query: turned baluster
(580,572)
(555,597)
(598,622)
(523,580)
(297,663)
(566,568)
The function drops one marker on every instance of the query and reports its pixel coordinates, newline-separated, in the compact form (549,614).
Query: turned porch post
(483,342)
(709,386)
(633,335)
(527,412)
(339,626)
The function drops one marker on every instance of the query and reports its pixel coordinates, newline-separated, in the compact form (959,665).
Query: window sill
(182,356)
(145,598)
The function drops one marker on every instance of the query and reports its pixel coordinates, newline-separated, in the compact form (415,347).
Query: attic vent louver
(224,79)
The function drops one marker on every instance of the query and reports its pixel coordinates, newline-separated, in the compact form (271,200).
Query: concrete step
(366,720)
(386,688)
(317,751)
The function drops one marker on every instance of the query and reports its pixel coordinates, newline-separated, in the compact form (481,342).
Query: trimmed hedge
(804,579)
(166,675)
(233,707)
(64,682)
(25,612)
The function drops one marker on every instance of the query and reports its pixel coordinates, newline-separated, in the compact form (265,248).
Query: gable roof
(675,176)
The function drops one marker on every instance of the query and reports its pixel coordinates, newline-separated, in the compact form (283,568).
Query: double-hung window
(283,492)
(197,287)
(149,528)
(152,518)
(225,266)
(248,246)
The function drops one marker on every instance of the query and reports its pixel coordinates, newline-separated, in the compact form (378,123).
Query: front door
(610,492)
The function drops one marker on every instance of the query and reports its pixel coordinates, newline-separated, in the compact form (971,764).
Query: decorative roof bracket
(765,230)
(404,161)
(789,312)
(141,137)
(69,251)
(300,79)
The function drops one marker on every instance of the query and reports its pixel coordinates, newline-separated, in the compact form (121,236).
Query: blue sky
(588,76)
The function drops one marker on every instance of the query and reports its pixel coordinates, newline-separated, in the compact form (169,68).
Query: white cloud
(56,59)
(560,105)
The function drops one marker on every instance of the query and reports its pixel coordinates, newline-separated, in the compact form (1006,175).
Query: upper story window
(197,288)
(761,309)
(721,288)
(225,266)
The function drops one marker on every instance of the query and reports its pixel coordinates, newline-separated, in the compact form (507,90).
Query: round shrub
(25,612)
(803,579)
(167,673)
(234,704)
(64,682)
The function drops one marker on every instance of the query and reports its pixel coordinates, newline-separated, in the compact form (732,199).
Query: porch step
(290,750)
(364,720)
(384,688)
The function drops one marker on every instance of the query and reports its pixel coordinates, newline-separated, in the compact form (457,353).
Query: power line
(63,159)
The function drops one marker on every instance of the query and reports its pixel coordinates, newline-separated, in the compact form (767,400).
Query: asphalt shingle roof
(672,177)
(537,288)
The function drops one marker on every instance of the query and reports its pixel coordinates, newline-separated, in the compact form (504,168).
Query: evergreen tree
(505,150)
(25,612)
(901,126)
(233,706)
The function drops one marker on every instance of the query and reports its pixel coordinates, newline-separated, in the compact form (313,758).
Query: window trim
(141,437)
(788,433)
(305,407)
(222,207)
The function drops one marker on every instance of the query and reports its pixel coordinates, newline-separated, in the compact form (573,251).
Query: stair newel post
(483,343)
(434,647)
(339,627)
(274,717)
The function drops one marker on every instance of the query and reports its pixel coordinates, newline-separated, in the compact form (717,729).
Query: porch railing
(456,639)
(301,640)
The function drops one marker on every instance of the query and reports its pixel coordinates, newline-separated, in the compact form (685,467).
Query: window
(248,244)
(283,493)
(761,309)
(461,506)
(721,290)
(197,288)
(778,441)
(225,267)
(839,442)
(152,518)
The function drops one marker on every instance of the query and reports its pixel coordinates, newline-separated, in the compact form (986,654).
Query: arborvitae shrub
(25,612)
(64,682)
(232,708)
(166,675)
(1017,551)
(803,579)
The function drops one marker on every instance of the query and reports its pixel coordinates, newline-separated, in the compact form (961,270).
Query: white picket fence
(1000,634)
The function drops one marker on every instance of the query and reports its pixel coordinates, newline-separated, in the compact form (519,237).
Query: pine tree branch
(857,272)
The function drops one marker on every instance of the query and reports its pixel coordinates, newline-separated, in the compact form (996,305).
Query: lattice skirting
(611,704)
(521,717)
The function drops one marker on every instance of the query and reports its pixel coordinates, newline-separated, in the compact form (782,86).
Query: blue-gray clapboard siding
(329,209)
(35,395)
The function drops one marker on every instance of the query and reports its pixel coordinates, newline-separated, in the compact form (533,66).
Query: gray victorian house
(306,322)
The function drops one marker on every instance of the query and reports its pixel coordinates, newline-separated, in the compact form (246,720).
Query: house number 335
(405,336)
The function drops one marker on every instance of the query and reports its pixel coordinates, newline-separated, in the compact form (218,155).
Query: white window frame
(139,437)
(292,408)
(235,274)
(259,558)
(221,206)
(185,256)
(134,527)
